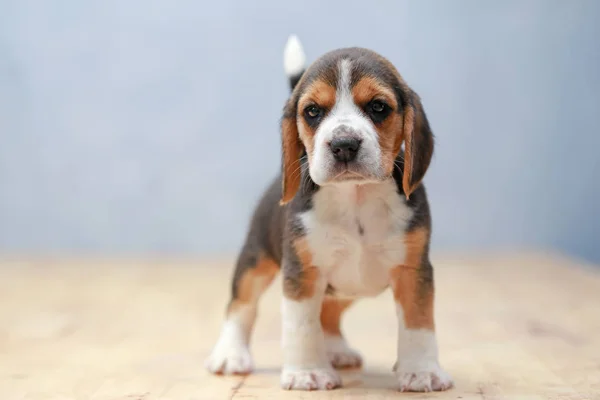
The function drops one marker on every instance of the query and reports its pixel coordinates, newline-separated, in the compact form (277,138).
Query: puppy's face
(350,113)
(347,124)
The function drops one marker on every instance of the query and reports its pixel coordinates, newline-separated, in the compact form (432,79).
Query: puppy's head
(350,113)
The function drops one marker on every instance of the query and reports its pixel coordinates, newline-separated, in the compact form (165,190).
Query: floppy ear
(291,149)
(418,144)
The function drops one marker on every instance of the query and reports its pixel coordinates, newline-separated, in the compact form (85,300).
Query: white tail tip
(293,57)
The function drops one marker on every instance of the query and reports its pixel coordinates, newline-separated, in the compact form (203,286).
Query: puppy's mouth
(345,172)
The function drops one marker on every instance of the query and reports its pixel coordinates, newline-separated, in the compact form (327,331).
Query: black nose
(344,148)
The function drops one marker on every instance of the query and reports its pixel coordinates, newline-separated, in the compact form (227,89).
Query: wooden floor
(509,328)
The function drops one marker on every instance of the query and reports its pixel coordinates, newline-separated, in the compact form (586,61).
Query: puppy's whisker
(306,180)
(299,168)
(298,161)
(297,171)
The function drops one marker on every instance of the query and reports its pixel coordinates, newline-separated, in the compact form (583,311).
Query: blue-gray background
(150,127)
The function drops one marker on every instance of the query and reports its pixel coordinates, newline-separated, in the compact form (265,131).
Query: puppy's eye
(378,110)
(313,112)
(377,106)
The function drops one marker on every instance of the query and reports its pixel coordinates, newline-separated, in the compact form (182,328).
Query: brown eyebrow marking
(319,92)
(368,88)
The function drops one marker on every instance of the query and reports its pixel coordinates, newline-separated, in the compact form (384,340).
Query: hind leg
(338,351)
(231,354)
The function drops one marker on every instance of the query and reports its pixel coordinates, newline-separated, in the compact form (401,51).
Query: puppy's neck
(357,193)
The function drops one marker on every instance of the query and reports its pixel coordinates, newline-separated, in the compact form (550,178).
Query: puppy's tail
(294,60)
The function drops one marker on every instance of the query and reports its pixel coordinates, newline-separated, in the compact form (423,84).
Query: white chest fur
(356,234)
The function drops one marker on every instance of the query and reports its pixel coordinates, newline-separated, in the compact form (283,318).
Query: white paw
(432,379)
(229,360)
(310,379)
(340,354)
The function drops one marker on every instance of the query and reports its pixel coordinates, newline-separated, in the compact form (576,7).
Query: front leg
(417,366)
(305,365)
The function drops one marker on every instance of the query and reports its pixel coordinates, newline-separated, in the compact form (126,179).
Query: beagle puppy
(348,217)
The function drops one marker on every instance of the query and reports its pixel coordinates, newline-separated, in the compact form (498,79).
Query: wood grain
(523,327)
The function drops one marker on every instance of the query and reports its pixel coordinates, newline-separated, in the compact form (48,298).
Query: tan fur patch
(418,145)
(322,95)
(302,285)
(414,295)
(415,243)
(331,314)
(390,140)
(409,127)
(369,88)
(390,130)
(253,283)
(291,148)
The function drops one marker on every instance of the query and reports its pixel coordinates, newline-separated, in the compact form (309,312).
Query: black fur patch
(417,201)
